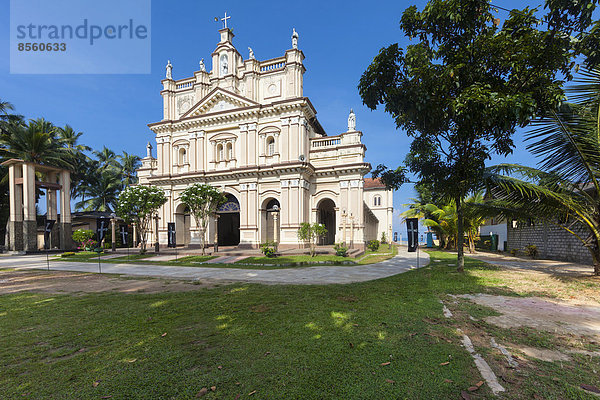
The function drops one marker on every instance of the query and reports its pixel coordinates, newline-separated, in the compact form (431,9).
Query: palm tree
(69,137)
(107,158)
(35,142)
(565,189)
(473,218)
(443,222)
(128,164)
(101,193)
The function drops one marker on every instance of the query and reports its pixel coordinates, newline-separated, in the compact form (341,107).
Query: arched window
(220,156)
(182,156)
(270,146)
(229,151)
(377,200)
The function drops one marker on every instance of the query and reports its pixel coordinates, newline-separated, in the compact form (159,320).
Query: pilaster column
(243,158)
(192,159)
(285,139)
(134,234)
(252,144)
(66,241)
(113,234)
(29,220)
(275,228)
(52,210)
(15,222)
(216,238)
(159,156)
(202,156)
(294,141)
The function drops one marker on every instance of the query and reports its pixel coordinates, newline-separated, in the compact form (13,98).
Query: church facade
(245,127)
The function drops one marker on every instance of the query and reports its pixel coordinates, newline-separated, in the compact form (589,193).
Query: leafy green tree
(203,201)
(311,233)
(139,204)
(467,83)
(565,189)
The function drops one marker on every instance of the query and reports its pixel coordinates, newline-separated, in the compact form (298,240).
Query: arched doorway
(182,225)
(326,216)
(270,208)
(229,222)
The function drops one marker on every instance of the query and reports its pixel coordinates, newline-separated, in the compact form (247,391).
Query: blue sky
(338,38)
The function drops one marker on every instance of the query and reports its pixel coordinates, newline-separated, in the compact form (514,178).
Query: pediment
(218,100)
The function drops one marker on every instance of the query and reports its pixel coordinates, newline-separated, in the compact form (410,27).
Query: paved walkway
(320,275)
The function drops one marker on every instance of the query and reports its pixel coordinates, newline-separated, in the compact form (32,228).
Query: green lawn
(300,260)
(277,342)
(186,261)
(370,257)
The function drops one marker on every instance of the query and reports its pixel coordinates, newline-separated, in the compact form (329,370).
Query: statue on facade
(202,66)
(294,39)
(169,70)
(251,56)
(224,65)
(149,150)
(351,121)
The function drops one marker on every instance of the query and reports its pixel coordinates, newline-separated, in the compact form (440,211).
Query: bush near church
(268,249)
(311,233)
(340,250)
(373,245)
(84,238)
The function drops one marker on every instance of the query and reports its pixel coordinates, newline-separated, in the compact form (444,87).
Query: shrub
(383,238)
(531,250)
(67,254)
(373,245)
(82,236)
(268,248)
(514,252)
(340,250)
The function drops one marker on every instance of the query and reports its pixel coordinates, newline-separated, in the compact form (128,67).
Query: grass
(309,342)
(299,260)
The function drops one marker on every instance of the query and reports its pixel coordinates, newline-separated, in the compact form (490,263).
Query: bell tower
(225,59)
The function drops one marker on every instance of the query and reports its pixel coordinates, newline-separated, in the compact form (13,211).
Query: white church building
(246,128)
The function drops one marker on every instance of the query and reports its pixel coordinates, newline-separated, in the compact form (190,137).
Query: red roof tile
(373,183)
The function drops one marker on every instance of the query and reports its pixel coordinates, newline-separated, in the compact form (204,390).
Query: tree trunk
(202,238)
(595,250)
(460,235)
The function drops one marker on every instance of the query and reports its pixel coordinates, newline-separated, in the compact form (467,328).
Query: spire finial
(294,39)
(224,19)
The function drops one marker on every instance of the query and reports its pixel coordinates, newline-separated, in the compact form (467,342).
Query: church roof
(371,183)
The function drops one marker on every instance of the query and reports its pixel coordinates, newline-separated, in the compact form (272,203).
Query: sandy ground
(555,316)
(57,282)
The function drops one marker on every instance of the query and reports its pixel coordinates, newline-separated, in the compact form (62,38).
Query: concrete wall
(498,229)
(552,241)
